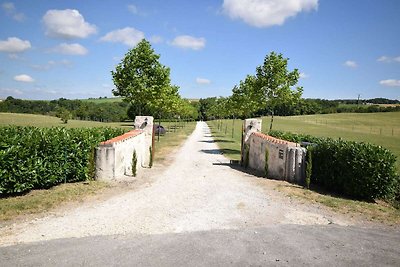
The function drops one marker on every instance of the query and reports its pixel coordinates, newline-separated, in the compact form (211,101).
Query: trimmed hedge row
(36,158)
(358,170)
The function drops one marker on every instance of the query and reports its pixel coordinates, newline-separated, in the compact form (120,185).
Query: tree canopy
(271,87)
(143,81)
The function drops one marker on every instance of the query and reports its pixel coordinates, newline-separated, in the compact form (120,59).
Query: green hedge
(359,170)
(35,158)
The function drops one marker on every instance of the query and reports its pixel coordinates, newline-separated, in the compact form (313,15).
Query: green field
(49,121)
(378,128)
(102,100)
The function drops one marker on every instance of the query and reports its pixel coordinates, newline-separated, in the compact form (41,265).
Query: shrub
(35,158)
(358,170)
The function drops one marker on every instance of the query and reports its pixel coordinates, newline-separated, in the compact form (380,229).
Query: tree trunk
(159,127)
(272,120)
(233,126)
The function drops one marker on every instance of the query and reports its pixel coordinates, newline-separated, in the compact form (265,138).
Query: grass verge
(227,134)
(380,211)
(38,201)
(174,137)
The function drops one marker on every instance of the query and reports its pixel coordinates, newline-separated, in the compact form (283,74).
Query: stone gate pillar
(145,123)
(250,126)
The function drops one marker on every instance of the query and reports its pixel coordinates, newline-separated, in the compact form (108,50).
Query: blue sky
(51,49)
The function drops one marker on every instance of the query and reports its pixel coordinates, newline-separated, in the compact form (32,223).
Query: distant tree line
(87,110)
(75,109)
(304,106)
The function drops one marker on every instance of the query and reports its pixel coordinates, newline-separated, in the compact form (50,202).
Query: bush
(35,158)
(358,170)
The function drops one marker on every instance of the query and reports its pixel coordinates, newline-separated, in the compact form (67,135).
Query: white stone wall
(286,160)
(114,156)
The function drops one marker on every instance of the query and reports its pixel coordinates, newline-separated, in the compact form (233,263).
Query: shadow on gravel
(220,151)
(216,140)
(236,166)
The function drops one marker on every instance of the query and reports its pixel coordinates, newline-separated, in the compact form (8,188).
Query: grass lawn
(380,211)
(38,201)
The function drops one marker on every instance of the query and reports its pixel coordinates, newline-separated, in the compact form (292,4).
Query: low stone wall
(114,156)
(272,157)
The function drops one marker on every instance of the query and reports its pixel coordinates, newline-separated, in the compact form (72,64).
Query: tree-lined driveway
(198,211)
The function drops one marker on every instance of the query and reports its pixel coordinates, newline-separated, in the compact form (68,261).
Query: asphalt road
(280,245)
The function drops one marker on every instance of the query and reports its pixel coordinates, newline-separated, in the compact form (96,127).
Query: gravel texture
(199,191)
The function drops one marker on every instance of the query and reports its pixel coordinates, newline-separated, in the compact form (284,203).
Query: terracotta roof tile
(273,139)
(122,137)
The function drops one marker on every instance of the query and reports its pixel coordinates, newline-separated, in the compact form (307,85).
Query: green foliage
(359,170)
(64,115)
(141,79)
(34,158)
(274,82)
(308,167)
(91,169)
(145,83)
(134,163)
(266,162)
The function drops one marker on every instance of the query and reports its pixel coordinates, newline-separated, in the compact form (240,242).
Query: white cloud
(24,78)
(266,13)
(51,64)
(187,41)
(45,91)
(14,56)
(67,24)
(7,91)
(202,81)
(133,9)
(19,17)
(10,9)
(14,45)
(386,59)
(70,49)
(128,36)
(350,64)
(304,75)
(390,83)
(155,39)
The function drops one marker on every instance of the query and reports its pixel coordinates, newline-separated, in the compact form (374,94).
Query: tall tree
(276,84)
(141,79)
(245,98)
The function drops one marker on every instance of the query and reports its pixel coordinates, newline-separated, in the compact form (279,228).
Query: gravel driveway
(199,191)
